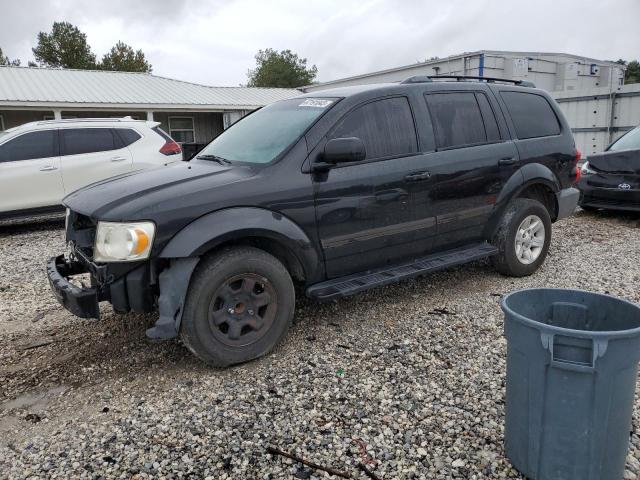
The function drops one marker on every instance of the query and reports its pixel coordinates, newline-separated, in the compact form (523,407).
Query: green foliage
(65,47)
(280,69)
(6,61)
(122,58)
(632,75)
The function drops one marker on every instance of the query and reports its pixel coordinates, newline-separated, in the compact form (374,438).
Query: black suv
(339,191)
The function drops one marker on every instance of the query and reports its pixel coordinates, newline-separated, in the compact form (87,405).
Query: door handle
(48,168)
(118,159)
(417,176)
(504,161)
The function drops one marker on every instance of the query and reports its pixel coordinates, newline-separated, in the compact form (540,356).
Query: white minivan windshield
(262,136)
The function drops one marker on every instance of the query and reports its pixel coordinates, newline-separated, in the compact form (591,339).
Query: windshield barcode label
(316,102)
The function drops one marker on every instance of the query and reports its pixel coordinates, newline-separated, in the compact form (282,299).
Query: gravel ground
(408,379)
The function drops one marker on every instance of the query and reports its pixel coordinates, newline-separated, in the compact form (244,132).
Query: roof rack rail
(425,78)
(96,119)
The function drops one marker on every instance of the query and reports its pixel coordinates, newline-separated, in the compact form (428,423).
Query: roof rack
(88,120)
(459,78)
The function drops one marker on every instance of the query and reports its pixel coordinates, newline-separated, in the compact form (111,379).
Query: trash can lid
(577,313)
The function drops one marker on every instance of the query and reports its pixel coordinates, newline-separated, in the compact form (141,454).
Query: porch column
(149,115)
(57,115)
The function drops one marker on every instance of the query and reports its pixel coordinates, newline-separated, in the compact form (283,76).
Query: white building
(549,71)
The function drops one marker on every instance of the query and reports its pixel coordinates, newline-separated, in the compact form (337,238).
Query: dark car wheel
(522,238)
(239,305)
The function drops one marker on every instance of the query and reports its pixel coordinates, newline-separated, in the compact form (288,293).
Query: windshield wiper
(215,158)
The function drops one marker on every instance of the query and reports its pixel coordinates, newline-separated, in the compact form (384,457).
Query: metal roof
(24,86)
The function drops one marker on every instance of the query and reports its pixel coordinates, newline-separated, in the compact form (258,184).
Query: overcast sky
(214,41)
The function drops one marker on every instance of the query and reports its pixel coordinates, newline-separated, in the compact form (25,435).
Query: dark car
(338,191)
(611,180)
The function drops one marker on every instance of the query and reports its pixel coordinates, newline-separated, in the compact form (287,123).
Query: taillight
(577,173)
(170,148)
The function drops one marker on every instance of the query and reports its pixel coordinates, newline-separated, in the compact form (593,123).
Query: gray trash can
(572,361)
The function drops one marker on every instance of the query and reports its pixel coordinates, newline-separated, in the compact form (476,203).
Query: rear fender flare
(216,228)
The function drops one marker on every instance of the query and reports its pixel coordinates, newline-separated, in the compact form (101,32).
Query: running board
(351,284)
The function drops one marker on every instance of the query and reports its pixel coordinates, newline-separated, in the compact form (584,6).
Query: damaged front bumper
(81,301)
(129,287)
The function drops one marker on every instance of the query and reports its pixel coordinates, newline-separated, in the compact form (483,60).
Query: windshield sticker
(316,102)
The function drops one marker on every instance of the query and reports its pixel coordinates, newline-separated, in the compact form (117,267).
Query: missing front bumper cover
(81,301)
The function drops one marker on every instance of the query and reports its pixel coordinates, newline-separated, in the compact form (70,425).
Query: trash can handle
(598,349)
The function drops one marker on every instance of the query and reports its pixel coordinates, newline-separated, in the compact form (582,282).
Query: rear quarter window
(128,136)
(532,115)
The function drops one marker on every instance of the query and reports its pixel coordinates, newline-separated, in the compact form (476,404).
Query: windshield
(265,134)
(629,141)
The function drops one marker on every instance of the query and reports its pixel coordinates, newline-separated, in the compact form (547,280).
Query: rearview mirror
(339,150)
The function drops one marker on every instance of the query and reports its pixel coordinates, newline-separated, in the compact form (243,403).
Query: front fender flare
(221,226)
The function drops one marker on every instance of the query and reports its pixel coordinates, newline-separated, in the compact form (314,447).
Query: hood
(150,194)
(623,161)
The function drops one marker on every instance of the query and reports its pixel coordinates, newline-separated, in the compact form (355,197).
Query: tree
(632,75)
(65,47)
(6,61)
(121,57)
(280,69)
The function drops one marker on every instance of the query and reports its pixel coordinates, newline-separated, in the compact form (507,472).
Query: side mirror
(340,150)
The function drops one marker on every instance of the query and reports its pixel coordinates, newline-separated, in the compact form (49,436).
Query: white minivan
(42,162)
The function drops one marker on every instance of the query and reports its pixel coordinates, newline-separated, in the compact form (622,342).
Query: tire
(513,261)
(239,305)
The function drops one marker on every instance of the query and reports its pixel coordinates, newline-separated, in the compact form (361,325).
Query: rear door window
(30,146)
(385,127)
(457,120)
(531,114)
(88,140)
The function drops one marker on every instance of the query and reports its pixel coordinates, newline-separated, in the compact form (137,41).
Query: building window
(182,129)
(1,123)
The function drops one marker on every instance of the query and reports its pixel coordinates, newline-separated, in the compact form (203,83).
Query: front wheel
(239,305)
(522,238)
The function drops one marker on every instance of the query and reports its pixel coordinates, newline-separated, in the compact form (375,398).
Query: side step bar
(351,284)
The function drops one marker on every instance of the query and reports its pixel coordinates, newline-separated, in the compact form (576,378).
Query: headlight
(123,242)
(586,169)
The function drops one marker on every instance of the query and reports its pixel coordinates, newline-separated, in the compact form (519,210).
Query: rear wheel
(239,305)
(522,238)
